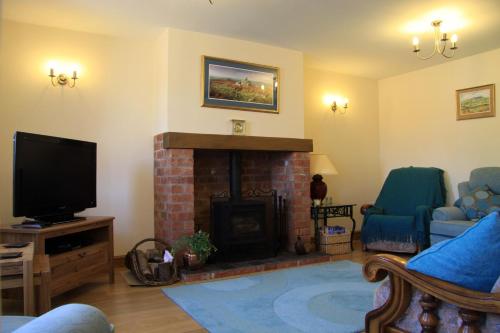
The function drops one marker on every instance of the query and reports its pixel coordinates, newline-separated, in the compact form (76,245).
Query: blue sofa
(69,318)
(449,222)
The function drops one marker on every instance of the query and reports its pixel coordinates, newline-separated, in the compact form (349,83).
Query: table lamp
(320,165)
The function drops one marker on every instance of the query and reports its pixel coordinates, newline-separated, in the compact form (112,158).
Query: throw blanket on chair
(403,209)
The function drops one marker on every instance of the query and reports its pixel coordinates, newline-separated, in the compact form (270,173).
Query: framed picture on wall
(476,102)
(239,85)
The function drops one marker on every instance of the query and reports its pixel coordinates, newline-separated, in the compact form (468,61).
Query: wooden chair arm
(377,267)
(471,303)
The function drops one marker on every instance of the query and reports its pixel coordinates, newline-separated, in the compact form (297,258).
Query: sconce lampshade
(320,165)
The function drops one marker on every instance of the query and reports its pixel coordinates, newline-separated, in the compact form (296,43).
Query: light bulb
(454,38)
(328,100)
(415,41)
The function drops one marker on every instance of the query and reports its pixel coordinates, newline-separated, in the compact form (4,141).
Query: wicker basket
(335,244)
(132,263)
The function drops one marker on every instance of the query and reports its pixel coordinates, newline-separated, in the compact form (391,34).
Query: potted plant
(198,247)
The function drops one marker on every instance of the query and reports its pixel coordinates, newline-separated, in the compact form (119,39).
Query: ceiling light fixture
(440,43)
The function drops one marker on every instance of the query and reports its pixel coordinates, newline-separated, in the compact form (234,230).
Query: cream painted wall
(161,82)
(418,125)
(111,105)
(184,91)
(351,140)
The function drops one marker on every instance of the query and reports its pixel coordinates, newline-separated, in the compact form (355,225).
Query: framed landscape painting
(239,85)
(477,102)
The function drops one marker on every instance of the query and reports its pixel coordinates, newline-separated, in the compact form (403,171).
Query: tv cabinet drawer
(71,269)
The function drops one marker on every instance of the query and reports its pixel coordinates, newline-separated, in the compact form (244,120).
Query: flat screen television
(53,177)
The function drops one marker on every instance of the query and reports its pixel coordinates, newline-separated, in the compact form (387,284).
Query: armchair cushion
(448,214)
(480,202)
(469,260)
(446,312)
(449,321)
(451,228)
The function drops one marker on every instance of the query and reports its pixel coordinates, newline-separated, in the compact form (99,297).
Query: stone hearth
(189,168)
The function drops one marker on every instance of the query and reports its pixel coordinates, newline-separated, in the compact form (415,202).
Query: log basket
(132,263)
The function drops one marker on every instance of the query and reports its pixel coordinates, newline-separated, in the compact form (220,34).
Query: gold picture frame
(476,102)
(238,85)
(239,127)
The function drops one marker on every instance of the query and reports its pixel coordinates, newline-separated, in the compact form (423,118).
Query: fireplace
(191,169)
(245,227)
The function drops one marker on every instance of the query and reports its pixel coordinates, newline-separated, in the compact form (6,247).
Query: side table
(18,272)
(332,211)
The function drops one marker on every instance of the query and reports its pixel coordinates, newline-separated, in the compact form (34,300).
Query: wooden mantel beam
(173,140)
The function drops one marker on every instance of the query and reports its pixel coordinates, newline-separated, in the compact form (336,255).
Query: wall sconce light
(62,79)
(336,102)
(60,74)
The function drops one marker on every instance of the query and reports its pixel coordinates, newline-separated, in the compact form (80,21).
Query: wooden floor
(145,309)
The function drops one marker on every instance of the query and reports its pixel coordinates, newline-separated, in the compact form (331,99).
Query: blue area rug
(331,298)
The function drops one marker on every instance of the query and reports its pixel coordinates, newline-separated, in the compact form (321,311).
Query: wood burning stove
(248,226)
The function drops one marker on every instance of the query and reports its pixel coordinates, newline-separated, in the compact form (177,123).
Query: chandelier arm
(437,40)
(52,80)
(448,56)
(443,49)
(443,52)
(429,56)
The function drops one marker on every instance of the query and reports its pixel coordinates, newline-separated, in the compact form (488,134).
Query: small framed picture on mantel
(476,102)
(238,85)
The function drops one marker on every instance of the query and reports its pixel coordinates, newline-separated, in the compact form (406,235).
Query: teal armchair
(399,220)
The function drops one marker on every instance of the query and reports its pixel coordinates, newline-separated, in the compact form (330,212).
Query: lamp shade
(321,164)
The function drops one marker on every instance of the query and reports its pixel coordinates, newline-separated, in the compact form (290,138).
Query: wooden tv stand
(72,267)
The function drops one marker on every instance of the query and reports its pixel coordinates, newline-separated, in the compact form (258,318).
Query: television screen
(53,176)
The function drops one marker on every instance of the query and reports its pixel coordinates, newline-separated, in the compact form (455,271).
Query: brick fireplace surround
(189,168)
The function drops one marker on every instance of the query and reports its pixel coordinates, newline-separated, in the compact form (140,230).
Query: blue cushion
(479,202)
(471,260)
